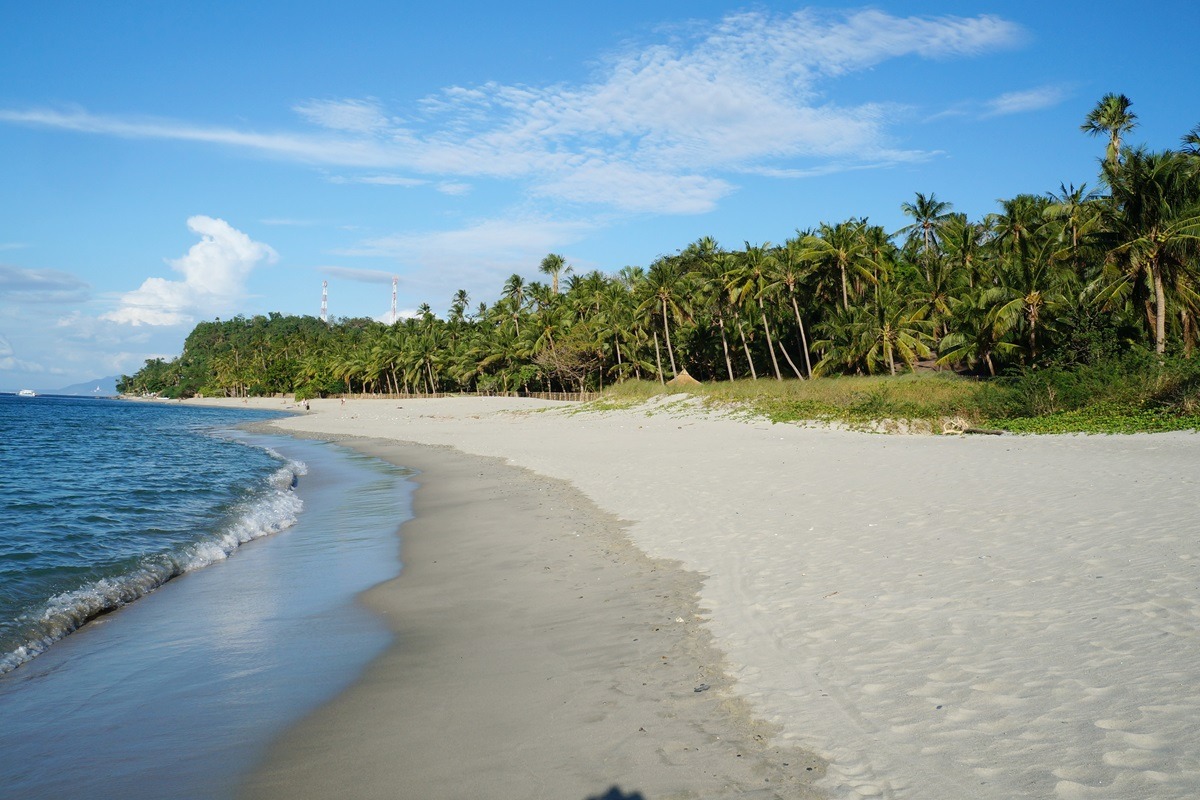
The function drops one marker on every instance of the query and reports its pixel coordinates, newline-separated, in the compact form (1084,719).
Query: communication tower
(394,279)
(324,301)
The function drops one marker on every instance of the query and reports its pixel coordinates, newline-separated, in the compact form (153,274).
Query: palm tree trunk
(1160,311)
(803,337)
(746,347)
(845,292)
(791,363)
(667,335)
(725,345)
(658,358)
(770,344)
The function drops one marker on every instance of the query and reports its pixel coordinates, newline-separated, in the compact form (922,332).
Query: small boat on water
(27,393)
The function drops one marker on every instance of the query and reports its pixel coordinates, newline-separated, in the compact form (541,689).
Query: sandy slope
(939,617)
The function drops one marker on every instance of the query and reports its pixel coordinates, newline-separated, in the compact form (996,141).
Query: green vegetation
(1072,310)
(1135,394)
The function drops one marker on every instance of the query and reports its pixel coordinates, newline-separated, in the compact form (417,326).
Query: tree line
(1066,278)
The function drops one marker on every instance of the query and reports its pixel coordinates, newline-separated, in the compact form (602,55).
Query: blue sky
(163,163)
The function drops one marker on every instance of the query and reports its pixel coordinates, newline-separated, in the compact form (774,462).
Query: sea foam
(271,511)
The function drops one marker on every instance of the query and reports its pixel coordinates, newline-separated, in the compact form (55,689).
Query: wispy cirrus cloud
(1025,101)
(473,255)
(663,127)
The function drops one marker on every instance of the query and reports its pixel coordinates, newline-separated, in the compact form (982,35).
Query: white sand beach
(934,617)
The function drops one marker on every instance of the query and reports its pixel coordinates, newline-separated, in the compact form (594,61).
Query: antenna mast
(325,301)
(394,279)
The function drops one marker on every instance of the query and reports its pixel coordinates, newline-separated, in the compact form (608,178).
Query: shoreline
(184,688)
(932,616)
(537,654)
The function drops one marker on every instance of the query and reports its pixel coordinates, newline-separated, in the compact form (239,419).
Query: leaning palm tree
(751,283)
(1111,117)
(790,271)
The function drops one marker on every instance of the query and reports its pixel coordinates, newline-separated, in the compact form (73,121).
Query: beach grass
(1127,396)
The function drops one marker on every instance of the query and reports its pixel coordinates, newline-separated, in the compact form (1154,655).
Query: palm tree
(714,288)
(962,244)
(751,282)
(928,214)
(514,293)
(790,271)
(1027,286)
(554,265)
(1152,226)
(666,287)
(1111,117)
(1190,142)
(1077,211)
(840,250)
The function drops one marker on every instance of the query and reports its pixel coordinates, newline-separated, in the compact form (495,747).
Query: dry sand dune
(936,617)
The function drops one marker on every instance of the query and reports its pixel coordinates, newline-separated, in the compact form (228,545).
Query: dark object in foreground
(615,793)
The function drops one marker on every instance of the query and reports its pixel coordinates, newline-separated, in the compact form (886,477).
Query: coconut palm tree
(790,271)
(554,265)
(666,290)
(928,214)
(1152,227)
(713,289)
(1112,118)
(837,253)
(751,282)
(514,293)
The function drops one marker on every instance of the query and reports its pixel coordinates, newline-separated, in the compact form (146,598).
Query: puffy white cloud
(214,275)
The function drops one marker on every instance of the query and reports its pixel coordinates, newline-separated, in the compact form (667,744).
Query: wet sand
(538,655)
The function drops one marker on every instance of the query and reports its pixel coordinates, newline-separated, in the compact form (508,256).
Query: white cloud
(660,128)
(489,243)
(1025,101)
(10,362)
(354,116)
(359,152)
(637,190)
(291,223)
(214,275)
(380,180)
(358,275)
(40,285)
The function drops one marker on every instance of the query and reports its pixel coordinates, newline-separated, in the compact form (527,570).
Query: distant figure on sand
(306,405)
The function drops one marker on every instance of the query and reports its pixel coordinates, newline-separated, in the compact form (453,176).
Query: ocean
(175,591)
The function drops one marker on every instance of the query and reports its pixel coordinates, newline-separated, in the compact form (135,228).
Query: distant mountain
(107,386)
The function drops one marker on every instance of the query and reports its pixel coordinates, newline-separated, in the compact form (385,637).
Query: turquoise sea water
(179,693)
